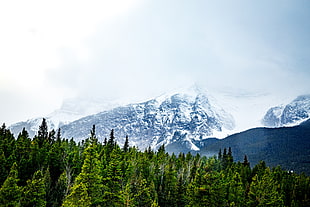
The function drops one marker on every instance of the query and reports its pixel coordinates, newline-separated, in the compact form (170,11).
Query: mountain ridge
(290,114)
(163,120)
(285,146)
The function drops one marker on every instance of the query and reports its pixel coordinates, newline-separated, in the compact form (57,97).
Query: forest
(49,170)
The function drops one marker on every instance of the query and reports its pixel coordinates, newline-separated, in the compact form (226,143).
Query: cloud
(139,49)
(166,44)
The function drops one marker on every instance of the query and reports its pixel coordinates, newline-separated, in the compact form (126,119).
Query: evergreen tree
(22,153)
(220,155)
(111,141)
(88,186)
(264,191)
(3,171)
(236,195)
(126,145)
(245,161)
(7,145)
(106,175)
(34,193)
(10,192)
(42,133)
(93,137)
(58,136)
(112,180)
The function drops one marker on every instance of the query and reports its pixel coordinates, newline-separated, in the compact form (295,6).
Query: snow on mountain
(247,107)
(180,119)
(291,114)
(71,110)
(185,117)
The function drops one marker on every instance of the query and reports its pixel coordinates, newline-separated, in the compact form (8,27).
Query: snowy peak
(288,115)
(179,117)
(70,110)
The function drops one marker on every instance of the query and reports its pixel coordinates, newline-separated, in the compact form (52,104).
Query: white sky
(137,49)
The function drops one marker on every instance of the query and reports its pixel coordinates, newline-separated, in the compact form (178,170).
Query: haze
(135,50)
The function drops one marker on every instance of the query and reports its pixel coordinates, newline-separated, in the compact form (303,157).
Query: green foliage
(10,192)
(34,193)
(50,171)
(265,191)
(3,171)
(88,184)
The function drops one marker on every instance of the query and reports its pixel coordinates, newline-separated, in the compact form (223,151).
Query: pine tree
(93,137)
(88,187)
(10,192)
(22,153)
(264,191)
(245,161)
(220,155)
(236,195)
(141,192)
(34,193)
(7,145)
(111,141)
(3,171)
(58,136)
(42,133)
(113,180)
(126,145)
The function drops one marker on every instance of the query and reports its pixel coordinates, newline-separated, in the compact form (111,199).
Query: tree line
(48,170)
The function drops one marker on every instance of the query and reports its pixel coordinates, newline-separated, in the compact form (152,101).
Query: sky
(137,49)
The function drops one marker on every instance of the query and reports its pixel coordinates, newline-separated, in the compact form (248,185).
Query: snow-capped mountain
(71,110)
(288,115)
(181,119)
(184,118)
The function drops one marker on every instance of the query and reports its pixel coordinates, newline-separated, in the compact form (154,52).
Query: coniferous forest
(49,170)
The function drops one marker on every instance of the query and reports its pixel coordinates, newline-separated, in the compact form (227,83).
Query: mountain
(71,110)
(285,146)
(239,104)
(186,117)
(288,115)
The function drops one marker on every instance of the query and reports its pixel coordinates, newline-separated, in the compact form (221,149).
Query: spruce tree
(126,145)
(112,179)
(10,192)
(22,152)
(236,195)
(3,171)
(88,187)
(111,141)
(42,133)
(34,193)
(264,191)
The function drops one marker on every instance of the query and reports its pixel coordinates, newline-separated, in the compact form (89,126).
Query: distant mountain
(71,110)
(239,104)
(185,117)
(188,121)
(286,146)
(288,115)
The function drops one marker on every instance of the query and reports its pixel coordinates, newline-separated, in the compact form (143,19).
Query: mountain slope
(71,110)
(183,117)
(291,114)
(286,146)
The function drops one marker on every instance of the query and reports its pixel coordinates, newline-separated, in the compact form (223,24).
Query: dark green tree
(10,192)
(112,179)
(42,135)
(3,171)
(126,145)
